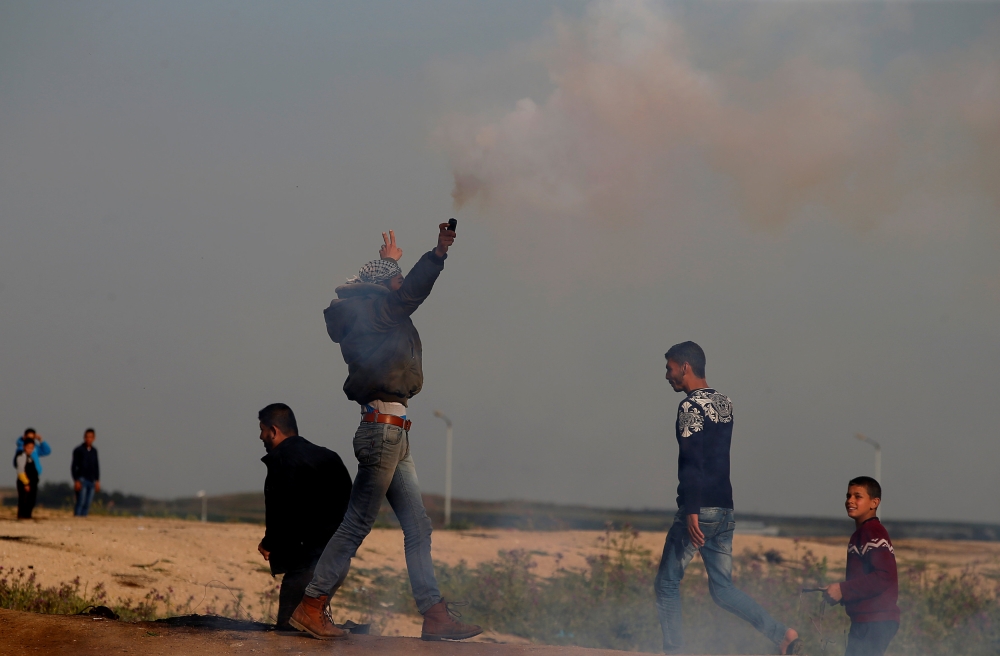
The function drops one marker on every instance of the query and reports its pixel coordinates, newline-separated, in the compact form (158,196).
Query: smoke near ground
(640,128)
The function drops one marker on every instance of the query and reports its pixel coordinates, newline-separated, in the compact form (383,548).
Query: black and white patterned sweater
(704,433)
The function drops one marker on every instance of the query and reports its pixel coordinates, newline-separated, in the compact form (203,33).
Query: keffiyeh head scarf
(377,271)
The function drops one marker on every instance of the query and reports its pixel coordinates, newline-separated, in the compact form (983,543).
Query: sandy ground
(212,562)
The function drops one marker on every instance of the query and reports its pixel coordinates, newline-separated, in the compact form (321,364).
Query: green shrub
(611,603)
(19,590)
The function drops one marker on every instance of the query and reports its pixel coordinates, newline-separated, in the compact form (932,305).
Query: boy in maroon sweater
(870,591)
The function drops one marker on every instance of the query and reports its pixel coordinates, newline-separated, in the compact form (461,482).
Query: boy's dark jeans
(870,638)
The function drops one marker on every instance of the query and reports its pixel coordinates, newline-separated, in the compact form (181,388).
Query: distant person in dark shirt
(86,473)
(704,520)
(297,525)
(27,478)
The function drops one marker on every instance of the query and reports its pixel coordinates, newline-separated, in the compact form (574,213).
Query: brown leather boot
(441,623)
(309,616)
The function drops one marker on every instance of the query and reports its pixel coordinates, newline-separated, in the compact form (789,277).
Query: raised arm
(419,281)
(42,448)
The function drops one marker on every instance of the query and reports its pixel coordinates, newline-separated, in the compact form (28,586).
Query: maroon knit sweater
(871,588)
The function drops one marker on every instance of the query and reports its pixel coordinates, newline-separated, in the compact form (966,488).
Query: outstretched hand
(446,238)
(390,251)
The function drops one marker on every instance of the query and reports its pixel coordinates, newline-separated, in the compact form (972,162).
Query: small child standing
(27,479)
(870,591)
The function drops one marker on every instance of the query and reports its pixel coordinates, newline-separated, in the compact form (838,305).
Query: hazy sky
(808,190)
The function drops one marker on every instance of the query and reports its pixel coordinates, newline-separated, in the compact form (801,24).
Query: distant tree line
(60,495)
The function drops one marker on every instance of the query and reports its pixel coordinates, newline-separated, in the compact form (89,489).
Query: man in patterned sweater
(869,594)
(704,520)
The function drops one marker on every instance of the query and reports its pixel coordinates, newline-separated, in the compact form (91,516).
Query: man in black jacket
(297,528)
(370,320)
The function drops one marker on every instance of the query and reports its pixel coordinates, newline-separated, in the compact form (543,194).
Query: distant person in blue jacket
(42,447)
(86,473)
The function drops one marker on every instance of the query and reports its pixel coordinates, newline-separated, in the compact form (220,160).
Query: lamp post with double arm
(878,462)
(878,455)
(204,504)
(447,467)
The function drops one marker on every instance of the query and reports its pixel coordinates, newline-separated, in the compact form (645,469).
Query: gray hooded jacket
(378,340)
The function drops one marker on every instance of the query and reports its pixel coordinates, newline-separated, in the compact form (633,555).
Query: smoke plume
(631,114)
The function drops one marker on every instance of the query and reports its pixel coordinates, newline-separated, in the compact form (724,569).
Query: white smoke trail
(631,114)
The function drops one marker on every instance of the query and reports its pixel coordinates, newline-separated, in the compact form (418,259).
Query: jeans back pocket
(368,445)
(392,435)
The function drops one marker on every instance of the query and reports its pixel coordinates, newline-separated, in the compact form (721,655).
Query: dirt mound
(30,633)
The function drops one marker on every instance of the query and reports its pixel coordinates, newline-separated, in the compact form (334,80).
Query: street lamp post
(447,467)
(204,504)
(878,455)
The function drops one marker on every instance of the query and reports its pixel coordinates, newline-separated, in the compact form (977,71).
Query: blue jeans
(84,497)
(717,524)
(385,469)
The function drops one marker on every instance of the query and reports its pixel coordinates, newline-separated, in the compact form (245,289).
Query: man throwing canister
(370,319)
(704,520)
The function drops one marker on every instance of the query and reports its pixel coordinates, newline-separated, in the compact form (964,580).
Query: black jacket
(377,339)
(85,464)
(305,497)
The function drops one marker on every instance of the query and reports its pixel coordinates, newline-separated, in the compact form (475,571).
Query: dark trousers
(293,586)
(870,638)
(26,500)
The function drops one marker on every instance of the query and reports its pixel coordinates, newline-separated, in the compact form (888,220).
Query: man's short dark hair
(871,486)
(690,353)
(90,430)
(30,430)
(280,416)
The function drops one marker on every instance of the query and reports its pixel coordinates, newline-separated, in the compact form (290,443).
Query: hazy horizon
(808,190)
